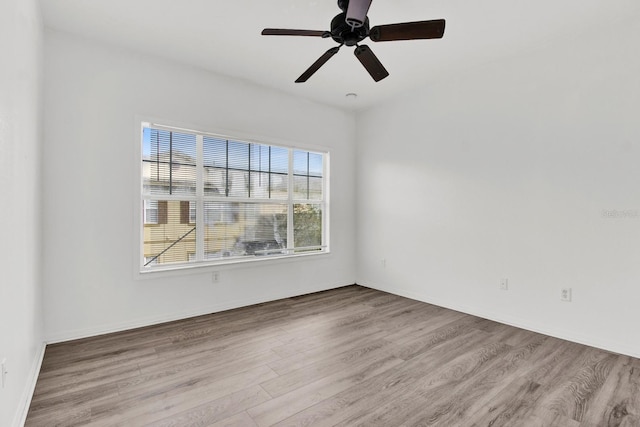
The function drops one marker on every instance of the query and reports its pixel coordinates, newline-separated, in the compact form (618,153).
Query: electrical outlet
(565,294)
(3,372)
(504,284)
(215,277)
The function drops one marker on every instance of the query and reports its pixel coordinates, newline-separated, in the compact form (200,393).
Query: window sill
(206,267)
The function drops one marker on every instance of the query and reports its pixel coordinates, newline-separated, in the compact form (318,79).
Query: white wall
(93,94)
(505,171)
(21,339)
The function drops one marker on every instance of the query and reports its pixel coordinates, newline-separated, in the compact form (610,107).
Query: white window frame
(203,260)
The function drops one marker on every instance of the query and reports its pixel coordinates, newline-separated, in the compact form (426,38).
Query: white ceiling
(224,37)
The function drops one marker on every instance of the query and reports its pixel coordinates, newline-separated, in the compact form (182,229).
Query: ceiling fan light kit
(352,26)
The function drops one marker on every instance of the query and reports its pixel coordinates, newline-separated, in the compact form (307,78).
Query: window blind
(213,199)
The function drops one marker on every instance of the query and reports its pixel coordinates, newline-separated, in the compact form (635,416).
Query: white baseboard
(527,324)
(21,415)
(170,317)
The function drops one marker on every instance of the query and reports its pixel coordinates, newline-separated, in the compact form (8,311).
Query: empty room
(296,212)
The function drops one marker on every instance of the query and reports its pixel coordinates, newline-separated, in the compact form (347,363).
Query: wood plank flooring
(346,357)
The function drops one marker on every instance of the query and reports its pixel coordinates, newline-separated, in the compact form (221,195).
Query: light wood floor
(347,357)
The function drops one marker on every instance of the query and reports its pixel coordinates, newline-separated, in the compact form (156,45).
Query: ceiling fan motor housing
(342,32)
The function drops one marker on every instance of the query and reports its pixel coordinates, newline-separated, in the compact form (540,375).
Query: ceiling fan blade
(357,12)
(408,31)
(285,32)
(371,62)
(316,65)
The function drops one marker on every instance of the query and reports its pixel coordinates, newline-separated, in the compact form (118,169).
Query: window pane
(169,160)
(238,183)
(214,152)
(259,158)
(146,144)
(307,225)
(300,187)
(183,164)
(315,188)
(170,239)
(259,185)
(215,181)
(307,169)
(238,155)
(307,163)
(279,160)
(183,178)
(300,162)
(315,164)
(279,186)
(240,229)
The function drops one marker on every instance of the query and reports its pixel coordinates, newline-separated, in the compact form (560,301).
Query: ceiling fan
(352,26)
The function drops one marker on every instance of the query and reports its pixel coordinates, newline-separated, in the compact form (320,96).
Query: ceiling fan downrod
(356,11)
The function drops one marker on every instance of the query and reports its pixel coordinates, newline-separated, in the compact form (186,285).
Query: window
(209,199)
